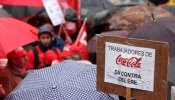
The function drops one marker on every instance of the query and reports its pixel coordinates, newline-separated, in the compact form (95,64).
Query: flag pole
(80,32)
(79,13)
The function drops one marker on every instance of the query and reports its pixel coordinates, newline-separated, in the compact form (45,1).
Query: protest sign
(132,63)
(54,12)
(129,66)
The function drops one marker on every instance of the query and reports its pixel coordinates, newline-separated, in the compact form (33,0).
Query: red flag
(75,4)
(64,4)
(81,42)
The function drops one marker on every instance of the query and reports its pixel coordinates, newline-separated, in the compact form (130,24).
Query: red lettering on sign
(132,62)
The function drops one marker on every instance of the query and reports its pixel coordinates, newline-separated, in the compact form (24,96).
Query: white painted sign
(129,66)
(54,12)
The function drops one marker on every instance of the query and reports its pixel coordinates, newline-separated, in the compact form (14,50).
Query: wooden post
(128,93)
(60,30)
(172,93)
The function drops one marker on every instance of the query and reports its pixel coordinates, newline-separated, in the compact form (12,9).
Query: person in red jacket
(36,54)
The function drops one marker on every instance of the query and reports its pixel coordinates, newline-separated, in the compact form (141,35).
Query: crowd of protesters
(47,51)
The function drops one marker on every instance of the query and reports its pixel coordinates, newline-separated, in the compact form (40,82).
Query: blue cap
(44,29)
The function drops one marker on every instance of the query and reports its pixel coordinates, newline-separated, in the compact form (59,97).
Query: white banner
(129,66)
(54,12)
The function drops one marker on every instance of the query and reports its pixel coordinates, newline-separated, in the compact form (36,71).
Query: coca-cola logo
(132,62)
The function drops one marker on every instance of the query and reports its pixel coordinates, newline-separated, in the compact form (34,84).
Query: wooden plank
(128,93)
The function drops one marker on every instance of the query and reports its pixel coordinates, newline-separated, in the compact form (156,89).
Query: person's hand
(2,91)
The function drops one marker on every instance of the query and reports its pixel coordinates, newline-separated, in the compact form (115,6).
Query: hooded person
(36,54)
(12,74)
(57,39)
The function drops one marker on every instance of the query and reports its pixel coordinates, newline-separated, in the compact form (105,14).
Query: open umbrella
(170,9)
(15,33)
(129,2)
(35,3)
(22,11)
(23,8)
(158,2)
(102,4)
(4,13)
(92,43)
(32,3)
(160,30)
(68,80)
(131,18)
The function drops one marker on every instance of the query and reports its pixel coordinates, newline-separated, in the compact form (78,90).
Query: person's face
(45,38)
(20,61)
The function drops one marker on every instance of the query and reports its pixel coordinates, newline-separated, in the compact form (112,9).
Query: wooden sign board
(154,56)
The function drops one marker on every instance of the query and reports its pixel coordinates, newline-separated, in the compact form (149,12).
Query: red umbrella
(15,33)
(33,3)
(36,3)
